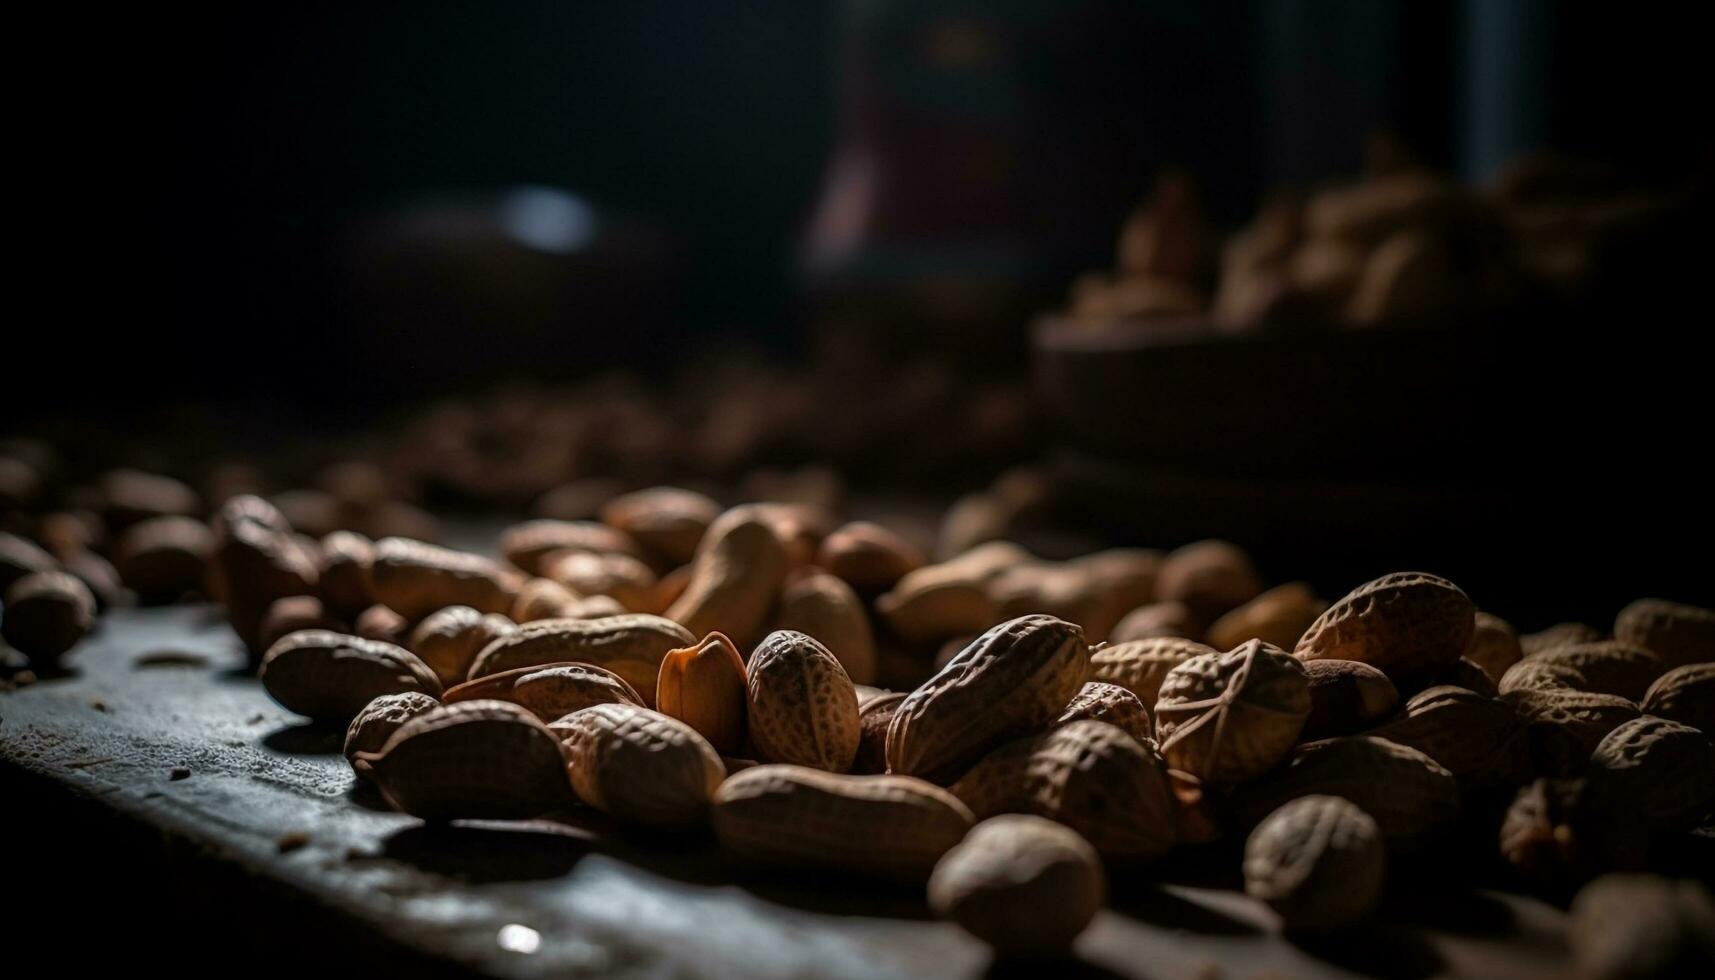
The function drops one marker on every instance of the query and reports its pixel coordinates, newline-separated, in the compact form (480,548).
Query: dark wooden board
(156,691)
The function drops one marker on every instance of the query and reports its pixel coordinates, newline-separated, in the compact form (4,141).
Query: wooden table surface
(160,730)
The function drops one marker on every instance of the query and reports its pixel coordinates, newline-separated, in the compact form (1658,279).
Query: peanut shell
(1686,695)
(820,605)
(414,579)
(1013,680)
(704,687)
(1660,770)
(1140,666)
(1098,701)
(1409,625)
(802,708)
(894,827)
(735,578)
(639,765)
(1677,632)
(1318,861)
(631,646)
(1412,798)
(330,676)
(549,692)
(1024,885)
(449,639)
(1088,775)
(1227,717)
(1346,697)
(476,760)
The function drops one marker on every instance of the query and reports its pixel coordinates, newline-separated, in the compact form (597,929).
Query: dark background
(194,175)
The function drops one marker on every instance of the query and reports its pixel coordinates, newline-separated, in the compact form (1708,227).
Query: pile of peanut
(1403,243)
(1002,729)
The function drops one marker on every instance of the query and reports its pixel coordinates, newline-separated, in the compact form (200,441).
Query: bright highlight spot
(548,220)
(515,938)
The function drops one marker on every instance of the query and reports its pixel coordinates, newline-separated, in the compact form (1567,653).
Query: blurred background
(248,231)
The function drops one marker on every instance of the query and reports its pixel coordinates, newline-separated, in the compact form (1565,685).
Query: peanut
(868,557)
(1466,674)
(1411,797)
(639,765)
(631,646)
(921,610)
(477,760)
(1318,861)
(294,613)
(1346,697)
(1409,625)
(800,526)
(415,579)
(1563,726)
(1014,680)
(1659,769)
(20,557)
(939,601)
(894,827)
(1607,667)
(543,598)
(620,577)
(449,639)
(802,706)
(1678,633)
(163,558)
(972,520)
(1530,674)
(1626,926)
(549,692)
(704,687)
(345,573)
(256,560)
(328,676)
(381,623)
(1686,695)
(1478,739)
(1157,619)
(130,496)
(825,607)
(1559,634)
(1094,591)
(735,578)
(1227,717)
(668,522)
(874,717)
(1279,616)
(526,545)
(1113,704)
(1209,577)
(376,723)
(1140,666)
(45,614)
(1088,775)
(1494,645)
(1024,885)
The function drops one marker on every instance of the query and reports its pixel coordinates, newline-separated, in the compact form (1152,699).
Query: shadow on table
(815,893)
(367,795)
(487,853)
(155,659)
(306,738)
(1386,950)
(1462,911)
(1147,902)
(1069,966)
